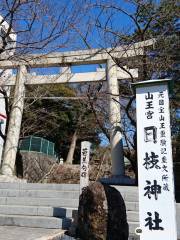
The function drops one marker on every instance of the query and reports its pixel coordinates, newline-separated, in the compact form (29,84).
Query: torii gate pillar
(115,120)
(118,168)
(12,139)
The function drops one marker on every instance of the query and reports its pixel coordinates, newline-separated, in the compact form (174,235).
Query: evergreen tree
(63,121)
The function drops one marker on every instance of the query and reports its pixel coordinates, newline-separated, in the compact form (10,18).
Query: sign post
(84,171)
(155,167)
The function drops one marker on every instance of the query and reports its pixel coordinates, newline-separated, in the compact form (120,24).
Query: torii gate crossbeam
(93,56)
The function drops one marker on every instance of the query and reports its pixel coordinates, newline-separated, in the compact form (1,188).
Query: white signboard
(155,167)
(84,171)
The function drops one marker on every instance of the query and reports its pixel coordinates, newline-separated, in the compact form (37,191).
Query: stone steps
(132,216)
(37,211)
(55,202)
(34,221)
(48,206)
(132,226)
(26,233)
(39,193)
(54,205)
(129,194)
(25,201)
(132,206)
(39,186)
(133,237)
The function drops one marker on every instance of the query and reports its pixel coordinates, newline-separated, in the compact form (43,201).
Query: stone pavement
(23,233)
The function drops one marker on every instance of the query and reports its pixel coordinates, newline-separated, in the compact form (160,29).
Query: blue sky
(119,22)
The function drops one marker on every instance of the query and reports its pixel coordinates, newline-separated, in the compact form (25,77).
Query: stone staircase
(130,196)
(38,205)
(54,205)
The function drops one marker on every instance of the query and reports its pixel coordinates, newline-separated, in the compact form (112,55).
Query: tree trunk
(69,159)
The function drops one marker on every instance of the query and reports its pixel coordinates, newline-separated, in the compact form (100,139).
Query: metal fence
(37,144)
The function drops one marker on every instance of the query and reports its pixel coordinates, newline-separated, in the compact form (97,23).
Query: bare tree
(142,20)
(32,26)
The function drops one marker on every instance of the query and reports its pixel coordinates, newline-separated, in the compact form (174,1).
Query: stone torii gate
(65,60)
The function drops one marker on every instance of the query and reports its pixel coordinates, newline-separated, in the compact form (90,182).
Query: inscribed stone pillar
(115,119)
(14,127)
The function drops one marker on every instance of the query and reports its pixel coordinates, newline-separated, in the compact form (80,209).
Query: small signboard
(155,167)
(84,171)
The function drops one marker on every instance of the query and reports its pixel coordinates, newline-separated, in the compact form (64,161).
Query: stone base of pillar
(118,180)
(6,178)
